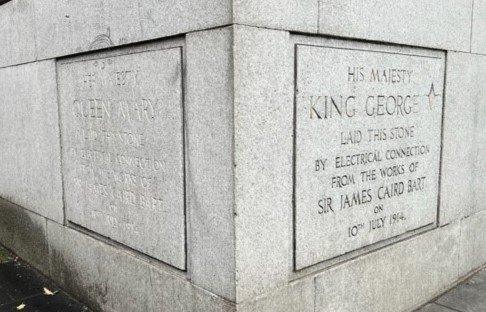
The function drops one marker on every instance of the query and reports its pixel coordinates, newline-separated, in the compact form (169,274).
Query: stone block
(29,127)
(204,142)
(364,283)
(297,15)
(463,102)
(296,296)
(25,233)
(472,243)
(263,159)
(431,23)
(18,32)
(113,279)
(397,278)
(103,277)
(210,178)
(479,100)
(367,145)
(123,147)
(67,27)
(478,44)
(170,293)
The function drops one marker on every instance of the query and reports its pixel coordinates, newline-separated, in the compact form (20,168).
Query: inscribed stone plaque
(367,147)
(123,155)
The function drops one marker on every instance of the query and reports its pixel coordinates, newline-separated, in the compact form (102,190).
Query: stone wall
(206,202)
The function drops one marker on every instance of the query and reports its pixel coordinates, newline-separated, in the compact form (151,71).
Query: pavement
(469,296)
(23,289)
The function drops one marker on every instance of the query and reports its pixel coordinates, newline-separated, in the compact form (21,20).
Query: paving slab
(23,289)
(42,303)
(20,281)
(469,296)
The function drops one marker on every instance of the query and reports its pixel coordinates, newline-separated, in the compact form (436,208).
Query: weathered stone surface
(25,233)
(17,35)
(299,15)
(123,154)
(113,279)
(297,296)
(395,278)
(56,29)
(472,243)
(210,177)
(263,159)
(430,23)
(479,99)
(231,156)
(30,150)
(67,27)
(367,145)
(457,188)
(460,131)
(364,284)
(478,44)
(171,293)
(433,307)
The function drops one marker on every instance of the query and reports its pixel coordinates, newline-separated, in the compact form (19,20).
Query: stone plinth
(225,155)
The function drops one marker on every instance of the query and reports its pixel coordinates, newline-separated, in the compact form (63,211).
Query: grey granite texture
(395,278)
(123,147)
(41,29)
(399,277)
(279,14)
(114,280)
(479,98)
(297,296)
(478,43)
(17,33)
(357,79)
(66,27)
(44,29)
(462,136)
(473,243)
(210,178)
(430,23)
(256,232)
(263,159)
(238,91)
(29,127)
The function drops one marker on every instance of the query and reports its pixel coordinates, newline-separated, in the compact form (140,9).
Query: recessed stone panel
(123,151)
(367,146)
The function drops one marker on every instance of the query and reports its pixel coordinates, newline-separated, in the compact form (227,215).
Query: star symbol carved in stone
(432,96)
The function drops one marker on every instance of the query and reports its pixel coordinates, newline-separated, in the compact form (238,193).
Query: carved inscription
(368,132)
(122,137)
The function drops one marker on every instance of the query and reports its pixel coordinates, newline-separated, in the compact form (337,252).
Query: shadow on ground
(24,289)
